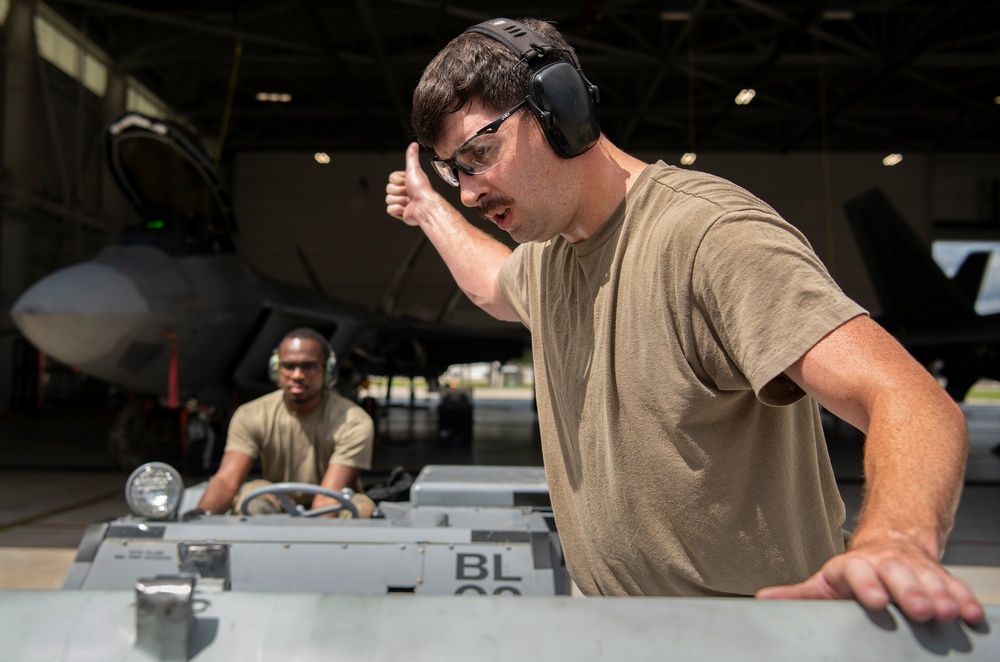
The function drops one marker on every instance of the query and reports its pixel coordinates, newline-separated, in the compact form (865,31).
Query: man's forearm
(915,456)
(218,496)
(339,476)
(473,257)
(336,478)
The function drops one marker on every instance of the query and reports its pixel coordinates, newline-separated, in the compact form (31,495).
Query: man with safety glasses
(303,432)
(683,334)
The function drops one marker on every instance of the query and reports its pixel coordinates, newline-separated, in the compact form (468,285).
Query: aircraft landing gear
(145,431)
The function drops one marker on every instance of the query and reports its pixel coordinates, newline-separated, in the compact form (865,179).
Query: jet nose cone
(80,313)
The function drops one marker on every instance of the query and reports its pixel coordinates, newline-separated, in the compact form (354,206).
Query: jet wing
(933,316)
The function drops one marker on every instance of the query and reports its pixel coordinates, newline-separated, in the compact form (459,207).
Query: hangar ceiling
(889,75)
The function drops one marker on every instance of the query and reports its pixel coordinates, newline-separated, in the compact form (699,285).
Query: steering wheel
(280,492)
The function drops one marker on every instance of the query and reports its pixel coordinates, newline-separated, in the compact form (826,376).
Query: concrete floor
(56,478)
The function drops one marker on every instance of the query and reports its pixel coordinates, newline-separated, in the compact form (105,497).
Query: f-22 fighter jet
(173,309)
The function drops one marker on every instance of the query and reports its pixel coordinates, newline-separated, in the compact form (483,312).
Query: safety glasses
(307,367)
(479,153)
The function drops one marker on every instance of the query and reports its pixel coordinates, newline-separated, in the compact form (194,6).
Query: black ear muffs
(273,364)
(329,370)
(561,97)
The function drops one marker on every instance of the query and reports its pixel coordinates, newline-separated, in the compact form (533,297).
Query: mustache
(492,204)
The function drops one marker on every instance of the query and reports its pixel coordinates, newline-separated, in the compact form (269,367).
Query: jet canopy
(172,185)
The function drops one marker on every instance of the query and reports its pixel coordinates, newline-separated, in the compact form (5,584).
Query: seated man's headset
(329,369)
(560,95)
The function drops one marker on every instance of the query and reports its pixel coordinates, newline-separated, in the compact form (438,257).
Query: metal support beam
(15,166)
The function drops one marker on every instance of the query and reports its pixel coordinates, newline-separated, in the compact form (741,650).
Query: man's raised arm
(473,257)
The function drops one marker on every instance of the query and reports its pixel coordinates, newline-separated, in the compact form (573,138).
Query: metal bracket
(209,561)
(164,616)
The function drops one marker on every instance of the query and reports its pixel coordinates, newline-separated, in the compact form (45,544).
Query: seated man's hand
(892,568)
(364,505)
(320,501)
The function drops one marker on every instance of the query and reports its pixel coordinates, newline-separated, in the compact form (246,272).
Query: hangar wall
(56,204)
(336,212)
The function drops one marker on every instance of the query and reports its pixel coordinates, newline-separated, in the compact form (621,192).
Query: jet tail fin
(913,290)
(969,277)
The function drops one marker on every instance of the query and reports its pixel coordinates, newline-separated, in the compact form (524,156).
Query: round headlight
(154,490)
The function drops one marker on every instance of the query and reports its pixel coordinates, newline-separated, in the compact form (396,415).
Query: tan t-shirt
(679,461)
(299,449)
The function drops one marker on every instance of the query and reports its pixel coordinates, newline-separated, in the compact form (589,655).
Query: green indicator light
(155,225)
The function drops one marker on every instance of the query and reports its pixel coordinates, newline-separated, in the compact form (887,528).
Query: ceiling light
(996,100)
(675,16)
(274,97)
(688,158)
(745,97)
(322,157)
(838,15)
(892,159)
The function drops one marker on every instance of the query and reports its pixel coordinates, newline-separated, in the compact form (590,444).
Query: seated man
(303,432)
